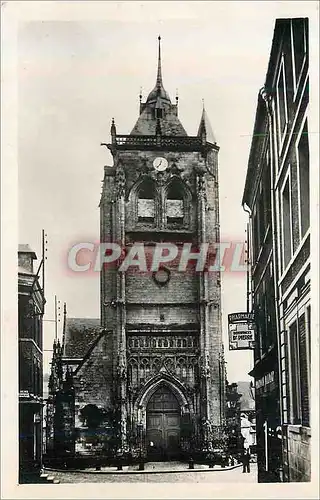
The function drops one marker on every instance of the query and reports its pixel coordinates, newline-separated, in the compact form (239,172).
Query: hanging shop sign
(241,331)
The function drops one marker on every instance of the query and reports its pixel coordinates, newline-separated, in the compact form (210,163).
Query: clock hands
(160,164)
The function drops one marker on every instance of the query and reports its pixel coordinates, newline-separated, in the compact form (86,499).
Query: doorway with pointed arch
(163,414)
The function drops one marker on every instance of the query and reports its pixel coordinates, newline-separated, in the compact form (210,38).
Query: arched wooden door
(163,425)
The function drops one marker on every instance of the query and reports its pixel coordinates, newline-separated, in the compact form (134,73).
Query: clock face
(160,163)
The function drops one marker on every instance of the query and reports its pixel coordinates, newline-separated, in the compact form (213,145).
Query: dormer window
(158,113)
(175,203)
(146,203)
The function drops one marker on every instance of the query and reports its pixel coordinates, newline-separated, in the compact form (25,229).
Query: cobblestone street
(234,475)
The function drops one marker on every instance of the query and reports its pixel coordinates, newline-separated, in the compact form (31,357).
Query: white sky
(75,75)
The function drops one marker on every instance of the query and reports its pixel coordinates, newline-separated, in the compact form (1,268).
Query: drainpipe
(267,97)
(248,211)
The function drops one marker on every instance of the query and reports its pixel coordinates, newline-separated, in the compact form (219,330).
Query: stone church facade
(153,370)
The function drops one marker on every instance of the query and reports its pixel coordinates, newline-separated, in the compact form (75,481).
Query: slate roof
(170,124)
(79,335)
(25,248)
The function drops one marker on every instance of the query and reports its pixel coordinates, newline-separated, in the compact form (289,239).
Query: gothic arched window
(182,368)
(146,201)
(177,203)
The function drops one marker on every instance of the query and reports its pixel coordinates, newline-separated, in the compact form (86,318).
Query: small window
(267,192)
(304,180)
(159,113)
(299,45)
(261,216)
(286,225)
(300,404)
(281,102)
(255,236)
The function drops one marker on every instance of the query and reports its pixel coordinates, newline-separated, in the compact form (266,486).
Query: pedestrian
(246,460)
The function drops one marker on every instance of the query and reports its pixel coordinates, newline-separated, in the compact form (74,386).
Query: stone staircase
(46,478)
(38,478)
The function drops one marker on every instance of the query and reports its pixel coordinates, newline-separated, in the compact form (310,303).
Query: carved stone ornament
(143,168)
(205,368)
(162,178)
(120,181)
(162,276)
(121,369)
(174,169)
(201,185)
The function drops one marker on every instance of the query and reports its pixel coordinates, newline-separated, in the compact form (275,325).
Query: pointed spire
(159,73)
(205,130)
(158,89)
(113,131)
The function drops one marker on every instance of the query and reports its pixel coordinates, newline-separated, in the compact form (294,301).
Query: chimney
(26,256)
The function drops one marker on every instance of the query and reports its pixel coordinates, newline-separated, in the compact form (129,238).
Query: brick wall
(299,456)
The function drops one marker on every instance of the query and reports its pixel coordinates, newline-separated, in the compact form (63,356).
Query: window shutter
(304,372)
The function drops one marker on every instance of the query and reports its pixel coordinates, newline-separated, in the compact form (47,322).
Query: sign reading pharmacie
(241,330)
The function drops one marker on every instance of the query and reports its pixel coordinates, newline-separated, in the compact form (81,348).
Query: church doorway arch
(163,415)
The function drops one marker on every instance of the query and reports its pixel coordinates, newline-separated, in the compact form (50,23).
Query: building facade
(31,303)
(277,194)
(153,376)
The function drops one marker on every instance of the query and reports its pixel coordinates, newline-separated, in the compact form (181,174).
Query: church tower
(164,325)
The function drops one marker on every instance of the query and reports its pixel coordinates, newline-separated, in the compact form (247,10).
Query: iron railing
(162,142)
